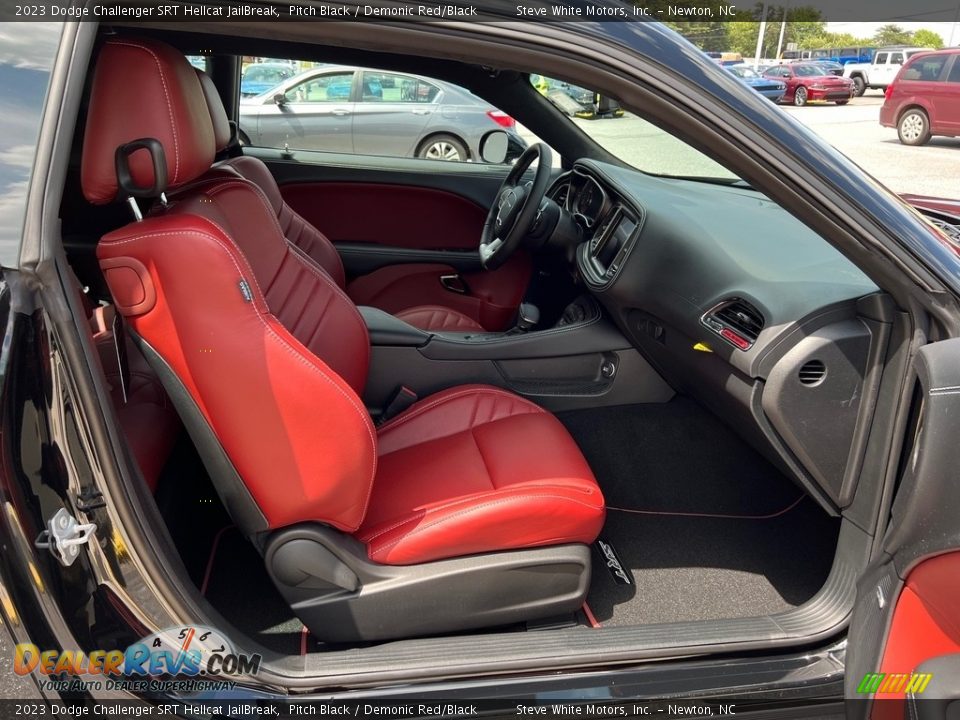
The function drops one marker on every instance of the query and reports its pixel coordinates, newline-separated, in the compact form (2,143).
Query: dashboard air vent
(812,372)
(736,321)
(560,192)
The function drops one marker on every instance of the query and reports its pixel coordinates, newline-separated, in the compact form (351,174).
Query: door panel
(392,204)
(492,298)
(402,216)
(908,606)
(948,107)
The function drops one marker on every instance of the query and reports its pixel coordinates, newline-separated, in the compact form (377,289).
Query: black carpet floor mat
(685,568)
(666,458)
(676,457)
(702,525)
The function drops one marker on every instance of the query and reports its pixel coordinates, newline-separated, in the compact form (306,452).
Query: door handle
(420,111)
(455,283)
(339,112)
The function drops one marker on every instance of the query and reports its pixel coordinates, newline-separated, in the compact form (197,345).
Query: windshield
(807,70)
(744,72)
(627,136)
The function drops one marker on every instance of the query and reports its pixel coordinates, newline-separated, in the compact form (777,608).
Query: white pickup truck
(882,70)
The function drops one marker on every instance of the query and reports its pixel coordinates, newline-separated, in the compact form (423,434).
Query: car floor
(222,563)
(703,525)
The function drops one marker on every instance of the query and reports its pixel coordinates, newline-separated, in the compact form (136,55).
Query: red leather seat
(267,358)
(304,235)
(475,469)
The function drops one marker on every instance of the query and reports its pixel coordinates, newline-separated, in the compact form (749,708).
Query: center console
(576,363)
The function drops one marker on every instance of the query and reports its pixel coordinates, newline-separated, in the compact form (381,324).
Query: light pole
(763,29)
(783,28)
(953,27)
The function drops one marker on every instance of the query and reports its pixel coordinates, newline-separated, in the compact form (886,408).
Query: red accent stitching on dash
(787,509)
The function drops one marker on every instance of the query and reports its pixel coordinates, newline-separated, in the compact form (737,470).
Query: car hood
(755,81)
(940,205)
(942,213)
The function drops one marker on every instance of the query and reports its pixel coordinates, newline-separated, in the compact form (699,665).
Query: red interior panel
(926,621)
(493,299)
(399,215)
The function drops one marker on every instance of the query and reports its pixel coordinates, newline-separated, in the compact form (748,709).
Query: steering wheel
(515,209)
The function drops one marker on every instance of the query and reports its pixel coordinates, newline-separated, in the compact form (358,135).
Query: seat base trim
(341,596)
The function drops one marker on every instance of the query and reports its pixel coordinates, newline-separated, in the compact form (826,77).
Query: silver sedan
(371,112)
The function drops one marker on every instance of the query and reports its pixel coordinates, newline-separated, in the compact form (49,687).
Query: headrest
(218,116)
(144,89)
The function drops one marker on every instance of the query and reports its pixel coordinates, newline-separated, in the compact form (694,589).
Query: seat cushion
(437,317)
(476,469)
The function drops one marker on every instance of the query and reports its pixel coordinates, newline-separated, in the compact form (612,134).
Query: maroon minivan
(924,100)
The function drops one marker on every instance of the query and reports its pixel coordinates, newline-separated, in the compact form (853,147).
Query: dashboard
(738,303)
(611,222)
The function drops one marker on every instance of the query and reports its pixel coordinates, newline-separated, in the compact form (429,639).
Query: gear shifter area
(528,316)
(580,310)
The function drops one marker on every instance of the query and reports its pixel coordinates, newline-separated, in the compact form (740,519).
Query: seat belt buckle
(402,398)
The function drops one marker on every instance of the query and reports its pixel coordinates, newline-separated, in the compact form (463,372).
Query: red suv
(924,100)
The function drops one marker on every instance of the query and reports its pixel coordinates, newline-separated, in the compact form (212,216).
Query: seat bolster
(449,412)
(439,318)
(254,170)
(525,516)
(298,231)
(313,243)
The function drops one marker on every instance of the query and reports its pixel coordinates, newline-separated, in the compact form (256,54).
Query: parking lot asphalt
(854,129)
(931,169)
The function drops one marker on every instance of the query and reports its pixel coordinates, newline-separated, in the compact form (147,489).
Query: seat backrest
(297,230)
(265,345)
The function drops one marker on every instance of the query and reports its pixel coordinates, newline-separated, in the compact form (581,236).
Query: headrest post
(135,209)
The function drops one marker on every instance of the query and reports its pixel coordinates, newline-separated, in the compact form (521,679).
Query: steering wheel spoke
(488,250)
(514,212)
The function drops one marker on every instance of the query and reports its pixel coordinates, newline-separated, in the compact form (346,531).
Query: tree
(742,37)
(705,35)
(892,35)
(927,38)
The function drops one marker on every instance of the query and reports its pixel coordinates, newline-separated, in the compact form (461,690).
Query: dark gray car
(371,112)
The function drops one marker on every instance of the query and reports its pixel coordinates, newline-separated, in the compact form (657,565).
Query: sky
(949,31)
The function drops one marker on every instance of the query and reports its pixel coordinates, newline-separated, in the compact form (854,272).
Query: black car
(651,412)
(829,67)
